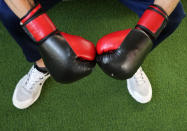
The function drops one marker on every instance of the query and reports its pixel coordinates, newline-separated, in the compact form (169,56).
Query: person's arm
(167,5)
(20,7)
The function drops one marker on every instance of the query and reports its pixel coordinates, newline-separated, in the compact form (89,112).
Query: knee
(5,13)
(173,22)
(177,15)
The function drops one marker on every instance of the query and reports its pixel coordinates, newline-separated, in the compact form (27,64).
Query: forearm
(167,5)
(20,7)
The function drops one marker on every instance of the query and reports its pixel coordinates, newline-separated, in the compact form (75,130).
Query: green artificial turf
(98,102)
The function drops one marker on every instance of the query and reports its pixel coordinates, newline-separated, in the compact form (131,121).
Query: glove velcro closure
(37,24)
(153,21)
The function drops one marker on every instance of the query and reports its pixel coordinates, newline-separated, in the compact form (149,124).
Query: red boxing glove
(67,57)
(121,53)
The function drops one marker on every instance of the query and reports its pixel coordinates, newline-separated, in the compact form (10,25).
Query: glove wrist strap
(153,21)
(37,24)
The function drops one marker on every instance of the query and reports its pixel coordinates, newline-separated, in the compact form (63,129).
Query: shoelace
(31,81)
(138,76)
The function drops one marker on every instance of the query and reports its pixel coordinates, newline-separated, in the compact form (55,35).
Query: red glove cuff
(37,24)
(153,21)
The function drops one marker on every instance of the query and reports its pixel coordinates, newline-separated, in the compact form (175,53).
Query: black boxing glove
(67,57)
(121,53)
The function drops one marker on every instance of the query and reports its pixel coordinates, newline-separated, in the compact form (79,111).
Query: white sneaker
(139,87)
(29,88)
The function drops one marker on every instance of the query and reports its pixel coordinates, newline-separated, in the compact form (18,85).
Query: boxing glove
(121,53)
(67,57)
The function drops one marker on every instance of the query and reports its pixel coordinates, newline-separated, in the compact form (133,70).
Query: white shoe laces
(34,78)
(138,76)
